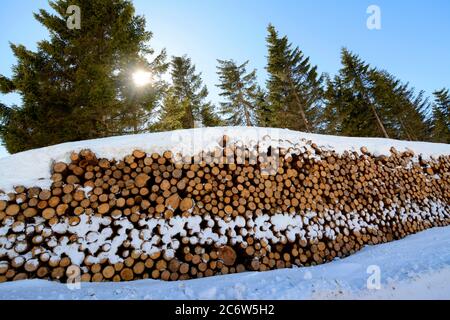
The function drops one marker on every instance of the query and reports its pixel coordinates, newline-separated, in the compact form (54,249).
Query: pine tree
(209,116)
(186,101)
(172,113)
(334,113)
(366,102)
(403,112)
(240,91)
(441,117)
(78,83)
(264,111)
(294,86)
(349,101)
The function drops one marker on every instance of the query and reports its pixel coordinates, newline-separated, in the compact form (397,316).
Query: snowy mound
(32,168)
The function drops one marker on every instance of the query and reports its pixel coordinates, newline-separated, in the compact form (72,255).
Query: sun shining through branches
(142,78)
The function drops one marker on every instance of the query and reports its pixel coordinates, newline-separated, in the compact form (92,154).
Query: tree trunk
(300,106)
(380,124)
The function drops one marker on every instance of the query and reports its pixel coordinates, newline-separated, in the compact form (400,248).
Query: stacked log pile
(173,217)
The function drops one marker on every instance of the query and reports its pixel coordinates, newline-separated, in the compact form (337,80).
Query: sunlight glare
(142,78)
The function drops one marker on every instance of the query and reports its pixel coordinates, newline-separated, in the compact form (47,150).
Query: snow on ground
(427,286)
(417,267)
(32,168)
(3,151)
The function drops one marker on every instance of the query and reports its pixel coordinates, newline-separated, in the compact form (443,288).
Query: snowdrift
(202,202)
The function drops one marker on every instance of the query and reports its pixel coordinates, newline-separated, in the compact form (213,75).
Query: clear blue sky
(413,43)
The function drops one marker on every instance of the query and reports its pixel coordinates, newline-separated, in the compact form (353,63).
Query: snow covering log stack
(154,216)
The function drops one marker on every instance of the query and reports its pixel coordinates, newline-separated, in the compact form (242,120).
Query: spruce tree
(366,102)
(186,102)
(441,117)
(209,116)
(350,105)
(264,112)
(240,91)
(294,86)
(172,113)
(403,112)
(78,83)
(334,113)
